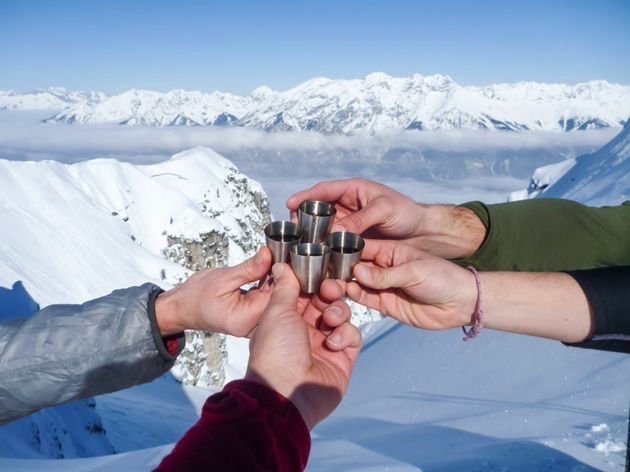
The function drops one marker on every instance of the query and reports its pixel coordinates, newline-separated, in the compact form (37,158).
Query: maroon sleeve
(247,426)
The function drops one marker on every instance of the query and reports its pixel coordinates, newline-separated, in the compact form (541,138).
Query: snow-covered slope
(63,432)
(124,216)
(69,233)
(428,401)
(374,104)
(600,178)
(76,232)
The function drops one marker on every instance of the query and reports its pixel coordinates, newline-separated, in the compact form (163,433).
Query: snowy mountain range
(375,104)
(52,98)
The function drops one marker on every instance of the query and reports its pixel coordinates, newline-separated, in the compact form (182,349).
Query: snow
(418,400)
(88,228)
(118,214)
(600,428)
(145,107)
(69,233)
(542,178)
(596,179)
(53,98)
(375,104)
(608,447)
(504,402)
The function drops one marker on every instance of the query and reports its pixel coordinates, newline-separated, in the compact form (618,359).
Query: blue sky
(237,45)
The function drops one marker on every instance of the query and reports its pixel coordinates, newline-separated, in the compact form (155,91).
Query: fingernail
(259,257)
(277,270)
(335,311)
(335,340)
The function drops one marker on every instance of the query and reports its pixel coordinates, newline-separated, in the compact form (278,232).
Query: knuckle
(246,270)
(380,276)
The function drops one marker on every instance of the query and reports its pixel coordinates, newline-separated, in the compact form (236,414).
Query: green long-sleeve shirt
(551,235)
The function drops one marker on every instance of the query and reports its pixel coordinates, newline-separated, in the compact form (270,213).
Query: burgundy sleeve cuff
(276,402)
(247,426)
(280,406)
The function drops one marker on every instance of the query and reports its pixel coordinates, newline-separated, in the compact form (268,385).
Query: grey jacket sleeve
(68,352)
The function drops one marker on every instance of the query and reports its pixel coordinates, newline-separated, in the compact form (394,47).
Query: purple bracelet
(477,316)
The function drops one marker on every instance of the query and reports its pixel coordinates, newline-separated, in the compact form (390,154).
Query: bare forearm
(449,231)
(550,305)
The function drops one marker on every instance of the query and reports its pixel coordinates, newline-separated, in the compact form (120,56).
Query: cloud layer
(446,166)
(21,136)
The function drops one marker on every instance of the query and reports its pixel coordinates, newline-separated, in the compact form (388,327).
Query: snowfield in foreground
(418,400)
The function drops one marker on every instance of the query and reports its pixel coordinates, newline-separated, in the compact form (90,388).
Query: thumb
(372,214)
(252,270)
(386,277)
(286,291)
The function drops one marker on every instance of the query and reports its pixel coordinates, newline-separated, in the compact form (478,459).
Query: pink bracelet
(477,316)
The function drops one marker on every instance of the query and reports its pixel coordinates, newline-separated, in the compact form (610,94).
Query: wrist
(290,392)
(471,229)
(469,300)
(306,409)
(451,231)
(167,310)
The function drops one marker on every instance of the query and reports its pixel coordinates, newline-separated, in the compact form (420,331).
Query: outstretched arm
(64,353)
(301,358)
(432,293)
(531,235)
(379,212)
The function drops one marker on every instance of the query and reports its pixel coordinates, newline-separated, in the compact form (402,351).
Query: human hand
(364,205)
(304,349)
(414,287)
(211,300)
(379,212)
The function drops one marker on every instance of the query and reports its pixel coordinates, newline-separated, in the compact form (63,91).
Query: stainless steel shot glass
(345,252)
(281,236)
(315,219)
(310,265)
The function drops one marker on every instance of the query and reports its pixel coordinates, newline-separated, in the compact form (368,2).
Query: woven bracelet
(477,316)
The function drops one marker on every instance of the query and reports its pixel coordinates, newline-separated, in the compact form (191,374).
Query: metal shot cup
(310,264)
(281,236)
(315,219)
(345,252)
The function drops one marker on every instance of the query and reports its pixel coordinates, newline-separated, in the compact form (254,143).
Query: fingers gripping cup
(345,252)
(315,219)
(310,264)
(281,236)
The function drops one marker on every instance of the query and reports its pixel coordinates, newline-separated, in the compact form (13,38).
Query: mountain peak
(378,77)
(262,92)
(375,104)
